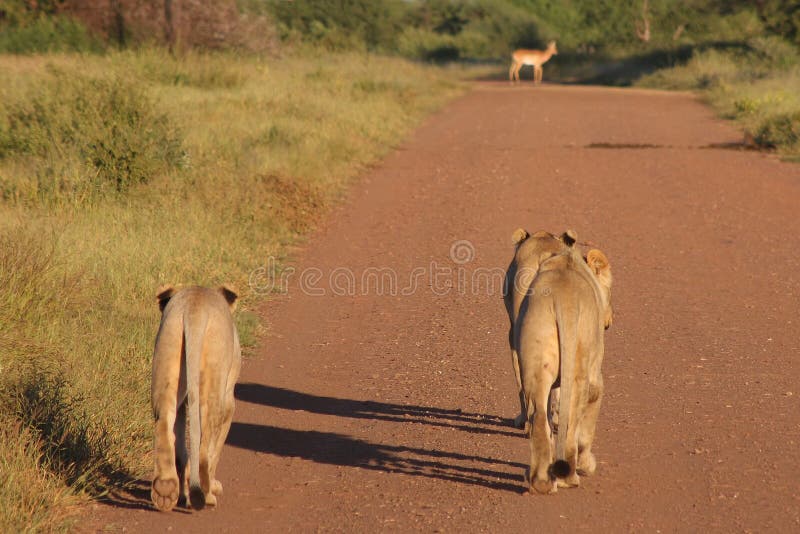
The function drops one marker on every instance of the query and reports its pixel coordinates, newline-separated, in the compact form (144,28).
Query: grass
(757,85)
(124,171)
(105,122)
(34,499)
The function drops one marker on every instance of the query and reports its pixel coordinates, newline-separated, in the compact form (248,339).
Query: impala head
(551,46)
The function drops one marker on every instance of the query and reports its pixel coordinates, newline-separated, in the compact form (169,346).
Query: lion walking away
(196,363)
(559,336)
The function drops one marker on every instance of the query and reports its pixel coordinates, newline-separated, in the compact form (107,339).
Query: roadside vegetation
(137,150)
(757,85)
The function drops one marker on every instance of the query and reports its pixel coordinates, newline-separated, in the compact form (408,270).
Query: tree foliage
(448,29)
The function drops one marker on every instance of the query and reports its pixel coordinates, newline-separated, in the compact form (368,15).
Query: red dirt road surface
(368,411)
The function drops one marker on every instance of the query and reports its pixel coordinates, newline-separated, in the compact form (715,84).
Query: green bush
(48,34)
(779,130)
(442,30)
(89,135)
(432,30)
(705,70)
(346,24)
(490,29)
(774,53)
(746,106)
(428,45)
(781,18)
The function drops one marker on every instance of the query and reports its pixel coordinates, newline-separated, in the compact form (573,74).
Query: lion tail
(567,344)
(194,327)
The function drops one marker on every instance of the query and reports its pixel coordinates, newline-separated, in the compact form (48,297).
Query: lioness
(530,251)
(195,367)
(559,335)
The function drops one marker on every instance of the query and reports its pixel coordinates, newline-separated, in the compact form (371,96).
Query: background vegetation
(146,141)
(742,56)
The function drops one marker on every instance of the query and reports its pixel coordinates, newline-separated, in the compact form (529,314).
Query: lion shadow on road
(134,494)
(367,409)
(338,449)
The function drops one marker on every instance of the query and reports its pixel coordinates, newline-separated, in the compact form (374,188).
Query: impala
(537,58)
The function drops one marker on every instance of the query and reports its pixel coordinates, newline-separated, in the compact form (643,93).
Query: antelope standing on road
(537,58)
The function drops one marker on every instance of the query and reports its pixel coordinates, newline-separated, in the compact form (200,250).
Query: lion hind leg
(587,464)
(207,444)
(181,454)
(520,421)
(216,447)
(541,438)
(166,488)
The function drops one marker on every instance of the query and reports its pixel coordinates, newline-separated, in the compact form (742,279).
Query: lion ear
(598,263)
(597,260)
(163,295)
(569,237)
(519,235)
(230,295)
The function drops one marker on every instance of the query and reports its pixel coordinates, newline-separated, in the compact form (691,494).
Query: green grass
(123,172)
(757,85)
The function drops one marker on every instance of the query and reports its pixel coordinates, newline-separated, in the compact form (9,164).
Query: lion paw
(544,486)
(211,499)
(216,487)
(571,481)
(539,485)
(165,493)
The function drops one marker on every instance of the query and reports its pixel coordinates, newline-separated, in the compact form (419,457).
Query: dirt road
(367,411)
